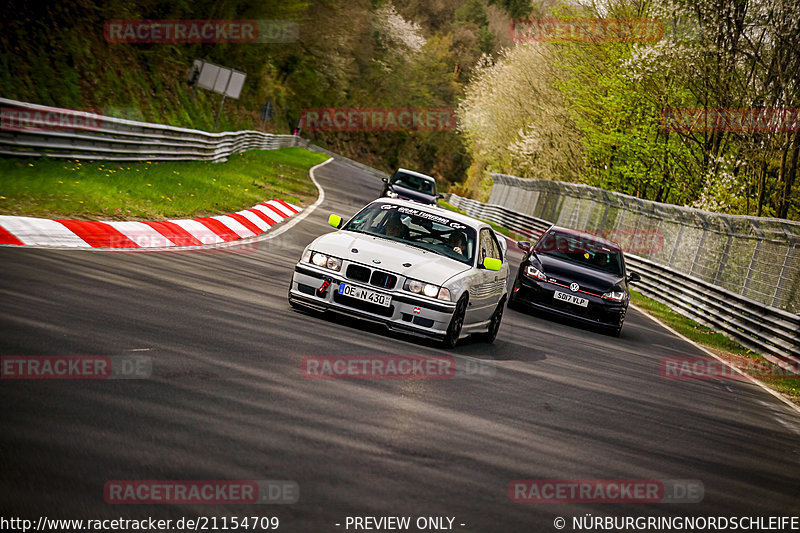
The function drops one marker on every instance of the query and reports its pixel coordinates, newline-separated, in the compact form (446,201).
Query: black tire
(494,324)
(456,323)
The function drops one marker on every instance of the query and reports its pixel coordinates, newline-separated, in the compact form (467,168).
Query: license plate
(365,294)
(571,298)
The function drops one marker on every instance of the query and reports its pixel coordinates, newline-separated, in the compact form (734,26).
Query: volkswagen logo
(574,287)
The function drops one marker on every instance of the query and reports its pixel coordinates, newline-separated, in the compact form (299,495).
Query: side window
(498,251)
(488,247)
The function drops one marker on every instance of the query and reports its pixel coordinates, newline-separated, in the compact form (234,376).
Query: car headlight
(428,289)
(414,286)
(326,261)
(615,295)
(534,272)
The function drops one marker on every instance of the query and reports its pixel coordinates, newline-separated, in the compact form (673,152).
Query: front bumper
(407,313)
(538,295)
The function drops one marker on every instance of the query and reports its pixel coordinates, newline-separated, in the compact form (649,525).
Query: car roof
(418,174)
(452,215)
(586,236)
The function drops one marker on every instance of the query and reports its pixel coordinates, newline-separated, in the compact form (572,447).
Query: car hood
(411,194)
(567,272)
(425,266)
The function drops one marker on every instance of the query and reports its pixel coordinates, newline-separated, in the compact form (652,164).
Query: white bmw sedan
(416,269)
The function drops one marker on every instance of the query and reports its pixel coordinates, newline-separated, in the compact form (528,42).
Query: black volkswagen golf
(576,275)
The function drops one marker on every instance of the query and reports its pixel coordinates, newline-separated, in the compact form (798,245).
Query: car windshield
(415,227)
(409,181)
(580,249)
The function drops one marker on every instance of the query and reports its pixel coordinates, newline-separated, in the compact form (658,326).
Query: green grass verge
(728,349)
(105,190)
(687,327)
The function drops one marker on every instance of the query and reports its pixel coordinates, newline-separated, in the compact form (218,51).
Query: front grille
(362,305)
(382,279)
(594,311)
(377,278)
(358,273)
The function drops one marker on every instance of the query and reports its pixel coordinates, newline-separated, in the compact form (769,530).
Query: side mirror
(525,246)
(490,263)
(440,196)
(385,180)
(335,221)
(633,277)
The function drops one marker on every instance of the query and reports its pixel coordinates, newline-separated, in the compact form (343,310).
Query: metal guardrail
(772,332)
(35,130)
(768,330)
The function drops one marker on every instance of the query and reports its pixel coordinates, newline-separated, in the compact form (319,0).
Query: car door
(489,284)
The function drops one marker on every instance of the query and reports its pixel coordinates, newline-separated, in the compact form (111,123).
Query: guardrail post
(784,268)
(678,238)
(725,253)
(701,246)
(748,277)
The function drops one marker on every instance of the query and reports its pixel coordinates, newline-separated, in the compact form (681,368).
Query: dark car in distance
(409,185)
(575,275)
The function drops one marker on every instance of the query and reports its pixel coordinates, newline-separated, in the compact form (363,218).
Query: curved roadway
(227,400)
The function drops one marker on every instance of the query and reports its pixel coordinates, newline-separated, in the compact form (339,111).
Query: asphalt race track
(227,400)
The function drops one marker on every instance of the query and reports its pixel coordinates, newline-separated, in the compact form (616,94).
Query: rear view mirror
(335,221)
(385,180)
(633,277)
(490,263)
(525,246)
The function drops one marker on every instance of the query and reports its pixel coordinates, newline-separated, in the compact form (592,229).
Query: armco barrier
(35,130)
(772,332)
